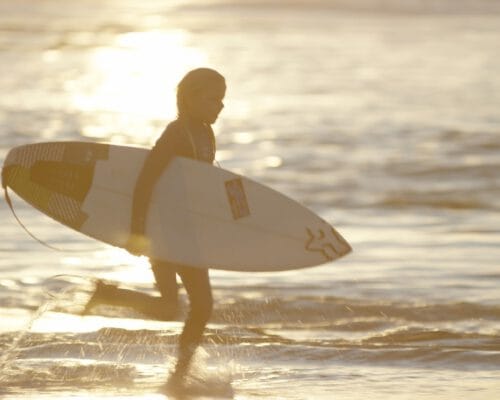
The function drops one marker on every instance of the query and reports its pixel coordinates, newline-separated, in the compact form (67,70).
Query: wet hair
(194,82)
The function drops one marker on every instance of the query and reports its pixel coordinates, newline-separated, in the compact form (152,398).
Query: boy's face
(207,104)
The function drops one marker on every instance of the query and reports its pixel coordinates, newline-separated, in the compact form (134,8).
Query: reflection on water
(137,73)
(134,79)
(386,124)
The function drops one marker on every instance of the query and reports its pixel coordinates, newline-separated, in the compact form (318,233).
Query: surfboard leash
(9,203)
(43,243)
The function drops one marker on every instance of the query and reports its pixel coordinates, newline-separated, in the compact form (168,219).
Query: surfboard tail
(53,177)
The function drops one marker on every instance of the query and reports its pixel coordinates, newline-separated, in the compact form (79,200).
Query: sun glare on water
(136,76)
(131,269)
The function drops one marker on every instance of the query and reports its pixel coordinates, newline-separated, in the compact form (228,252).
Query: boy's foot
(173,386)
(100,289)
(193,387)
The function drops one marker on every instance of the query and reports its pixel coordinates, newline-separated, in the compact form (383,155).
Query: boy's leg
(197,284)
(155,307)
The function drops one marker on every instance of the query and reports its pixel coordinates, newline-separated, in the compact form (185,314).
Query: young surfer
(199,101)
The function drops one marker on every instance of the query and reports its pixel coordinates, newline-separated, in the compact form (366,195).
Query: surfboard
(200,215)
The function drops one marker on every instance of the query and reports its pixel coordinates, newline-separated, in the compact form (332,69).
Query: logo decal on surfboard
(237,198)
(328,243)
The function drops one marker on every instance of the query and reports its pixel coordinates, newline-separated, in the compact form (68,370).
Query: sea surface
(381,116)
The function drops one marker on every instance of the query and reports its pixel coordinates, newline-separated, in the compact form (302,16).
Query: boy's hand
(138,244)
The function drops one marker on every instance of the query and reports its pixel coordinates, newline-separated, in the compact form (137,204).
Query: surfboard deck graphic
(200,215)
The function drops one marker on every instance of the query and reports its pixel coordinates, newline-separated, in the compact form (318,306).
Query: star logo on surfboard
(328,242)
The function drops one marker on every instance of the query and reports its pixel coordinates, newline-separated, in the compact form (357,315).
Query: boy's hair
(192,83)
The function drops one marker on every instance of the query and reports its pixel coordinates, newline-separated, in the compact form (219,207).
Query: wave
(455,200)
(462,171)
(418,346)
(415,184)
(421,6)
(290,330)
(318,321)
(321,309)
(234,306)
(65,375)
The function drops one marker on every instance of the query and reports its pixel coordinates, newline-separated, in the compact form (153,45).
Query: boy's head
(200,94)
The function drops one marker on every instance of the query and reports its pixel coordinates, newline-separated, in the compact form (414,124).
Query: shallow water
(384,121)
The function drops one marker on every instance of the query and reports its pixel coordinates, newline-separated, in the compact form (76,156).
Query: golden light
(131,269)
(126,93)
(51,321)
(135,76)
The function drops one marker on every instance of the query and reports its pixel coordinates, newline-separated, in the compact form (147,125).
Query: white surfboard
(200,215)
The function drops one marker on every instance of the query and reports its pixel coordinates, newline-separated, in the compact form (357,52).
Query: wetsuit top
(176,140)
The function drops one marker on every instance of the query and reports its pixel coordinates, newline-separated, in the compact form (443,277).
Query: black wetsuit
(178,139)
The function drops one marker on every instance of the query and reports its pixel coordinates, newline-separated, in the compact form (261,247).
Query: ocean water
(381,116)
